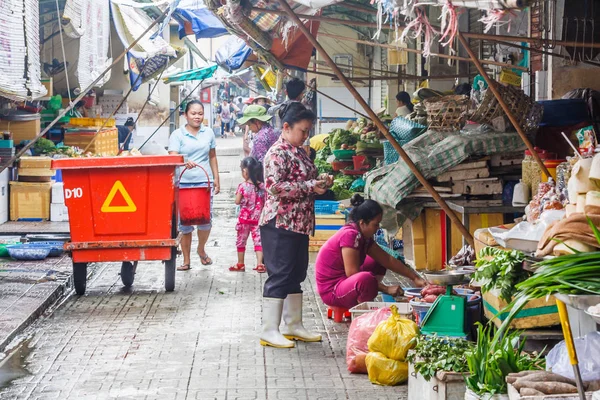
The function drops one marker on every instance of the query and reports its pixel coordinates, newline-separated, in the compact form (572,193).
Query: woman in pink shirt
(350,266)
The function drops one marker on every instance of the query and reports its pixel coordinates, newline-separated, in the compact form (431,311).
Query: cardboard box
(483,238)
(58,194)
(29,200)
(49,86)
(538,313)
(21,130)
(59,213)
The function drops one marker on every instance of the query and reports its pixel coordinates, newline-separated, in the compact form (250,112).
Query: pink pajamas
(243,231)
(335,288)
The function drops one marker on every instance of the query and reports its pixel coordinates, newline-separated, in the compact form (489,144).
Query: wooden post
(466,234)
(492,86)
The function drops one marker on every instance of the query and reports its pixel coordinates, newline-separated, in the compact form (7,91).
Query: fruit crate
(326,206)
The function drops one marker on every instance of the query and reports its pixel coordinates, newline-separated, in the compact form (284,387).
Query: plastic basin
(57,248)
(28,252)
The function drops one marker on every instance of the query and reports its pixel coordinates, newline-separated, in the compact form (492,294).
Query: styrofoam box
(58,194)
(4,179)
(59,213)
(404,309)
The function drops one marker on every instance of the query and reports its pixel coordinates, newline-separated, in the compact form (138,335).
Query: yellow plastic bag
(385,371)
(393,337)
(317,142)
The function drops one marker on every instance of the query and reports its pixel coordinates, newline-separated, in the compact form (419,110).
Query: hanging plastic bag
(385,371)
(393,337)
(588,354)
(361,330)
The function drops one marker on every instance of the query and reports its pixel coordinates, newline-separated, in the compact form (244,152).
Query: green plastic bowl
(342,155)
(3,250)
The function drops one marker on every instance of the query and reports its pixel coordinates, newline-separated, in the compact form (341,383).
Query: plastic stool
(338,313)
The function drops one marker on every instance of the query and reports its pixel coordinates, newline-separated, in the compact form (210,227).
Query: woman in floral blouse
(287,220)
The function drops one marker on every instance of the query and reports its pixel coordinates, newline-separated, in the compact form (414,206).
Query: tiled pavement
(199,342)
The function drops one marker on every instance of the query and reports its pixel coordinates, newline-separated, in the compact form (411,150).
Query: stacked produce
(338,156)
(499,269)
(539,383)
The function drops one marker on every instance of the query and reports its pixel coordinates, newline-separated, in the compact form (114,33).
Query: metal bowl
(579,301)
(445,278)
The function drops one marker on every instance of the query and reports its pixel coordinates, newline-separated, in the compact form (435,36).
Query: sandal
(260,268)
(184,267)
(238,268)
(206,260)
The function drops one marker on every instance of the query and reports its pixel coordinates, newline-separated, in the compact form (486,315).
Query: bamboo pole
(492,85)
(83,93)
(380,125)
(408,50)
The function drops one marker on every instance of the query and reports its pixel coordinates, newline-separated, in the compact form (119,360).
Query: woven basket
(447,113)
(526,111)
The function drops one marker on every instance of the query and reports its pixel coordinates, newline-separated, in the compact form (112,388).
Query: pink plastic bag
(361,330)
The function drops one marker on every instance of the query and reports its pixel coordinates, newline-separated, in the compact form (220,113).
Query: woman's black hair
(365,210)
(405,98)
(191,103)
(294,112)
(129,122)
(255,170)
(313,154)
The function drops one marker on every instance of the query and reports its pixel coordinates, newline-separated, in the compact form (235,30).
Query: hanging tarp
(199,74)
(94,44)
(232,54)
(20,68)
(149,56)
(196,19)
(72,19)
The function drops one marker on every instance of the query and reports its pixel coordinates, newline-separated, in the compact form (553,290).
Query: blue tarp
(232,54)
(195,18)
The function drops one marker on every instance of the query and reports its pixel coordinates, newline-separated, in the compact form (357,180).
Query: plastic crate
(404,309)
(326,206)
(96,122)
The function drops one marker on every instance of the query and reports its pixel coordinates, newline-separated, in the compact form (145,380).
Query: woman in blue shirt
(196,143)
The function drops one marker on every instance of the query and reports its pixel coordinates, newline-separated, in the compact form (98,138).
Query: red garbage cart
(121,209)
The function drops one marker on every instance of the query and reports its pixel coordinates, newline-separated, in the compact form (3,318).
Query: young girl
(250,196)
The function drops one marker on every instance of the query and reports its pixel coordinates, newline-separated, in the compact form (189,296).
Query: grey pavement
(198,342)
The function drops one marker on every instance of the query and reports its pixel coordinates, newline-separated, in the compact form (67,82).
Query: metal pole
(468,237)
(83,93)
(570,344)
(492,85)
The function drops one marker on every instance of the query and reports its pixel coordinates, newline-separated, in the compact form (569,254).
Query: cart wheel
(128,272)
(170,271)
(79,277)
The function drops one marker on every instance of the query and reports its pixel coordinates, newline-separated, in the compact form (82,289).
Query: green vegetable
(490,361)
(340,137)
(344,181)
(432,354)
(577,273)
(323,166)
(44,146)
(340,192)
(499,269)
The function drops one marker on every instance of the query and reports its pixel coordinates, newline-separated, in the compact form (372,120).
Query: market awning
(193,75)
(196,19)
(150,56)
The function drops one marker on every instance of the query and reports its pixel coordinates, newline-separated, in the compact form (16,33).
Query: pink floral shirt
(252,203)
(290,178)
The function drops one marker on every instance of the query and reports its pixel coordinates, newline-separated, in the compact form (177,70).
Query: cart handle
(197,166)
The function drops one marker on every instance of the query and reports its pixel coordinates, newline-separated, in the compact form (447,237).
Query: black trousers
(286,259)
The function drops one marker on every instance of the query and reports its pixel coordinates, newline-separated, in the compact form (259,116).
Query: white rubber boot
(271,319)
(292,320)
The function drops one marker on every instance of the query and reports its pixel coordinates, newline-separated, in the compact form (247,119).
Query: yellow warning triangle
(118,187)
